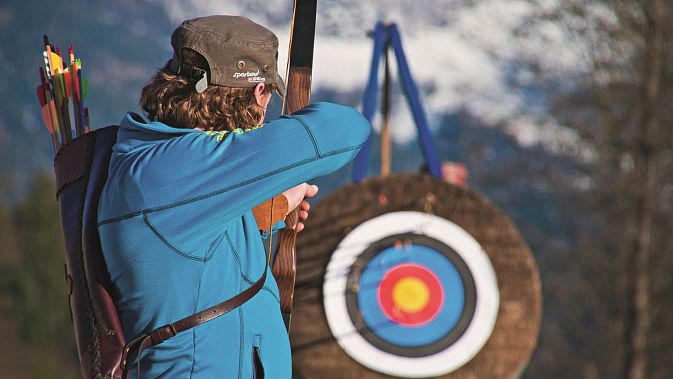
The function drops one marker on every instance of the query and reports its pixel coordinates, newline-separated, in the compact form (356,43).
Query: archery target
(408,276)
(419,299)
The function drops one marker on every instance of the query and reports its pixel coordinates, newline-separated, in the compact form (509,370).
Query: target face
(410,294)
(408,276)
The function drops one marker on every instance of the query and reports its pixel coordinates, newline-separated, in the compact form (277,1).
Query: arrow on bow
(297,96)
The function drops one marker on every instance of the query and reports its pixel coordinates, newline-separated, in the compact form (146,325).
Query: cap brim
(280,85)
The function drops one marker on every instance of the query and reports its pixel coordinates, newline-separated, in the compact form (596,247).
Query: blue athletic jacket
(178,235)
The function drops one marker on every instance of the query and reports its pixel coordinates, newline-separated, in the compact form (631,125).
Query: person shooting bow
(175,221)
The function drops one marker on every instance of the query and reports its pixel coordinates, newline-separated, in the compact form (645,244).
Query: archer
(175,218)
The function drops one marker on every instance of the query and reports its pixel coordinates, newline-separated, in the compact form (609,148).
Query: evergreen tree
(38,305)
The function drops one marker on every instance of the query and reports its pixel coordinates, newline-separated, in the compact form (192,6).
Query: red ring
(416,271)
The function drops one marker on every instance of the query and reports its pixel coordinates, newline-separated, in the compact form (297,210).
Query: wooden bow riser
(284,267)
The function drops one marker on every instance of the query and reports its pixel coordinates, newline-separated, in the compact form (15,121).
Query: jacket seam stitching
(244,275)
(225,189)
(241,339)
(240,308)
(267,288)
(171,246)
(196,304)
(233,250)
(310,134)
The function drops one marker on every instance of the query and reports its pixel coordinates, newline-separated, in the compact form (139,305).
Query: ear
(259,89)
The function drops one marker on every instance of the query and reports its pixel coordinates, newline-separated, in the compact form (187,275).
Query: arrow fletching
(39,91)
(55,62)
(60,81)
(46,116)
(67,83)
(73,75)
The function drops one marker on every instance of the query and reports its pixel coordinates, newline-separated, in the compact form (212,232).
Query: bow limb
(297,96)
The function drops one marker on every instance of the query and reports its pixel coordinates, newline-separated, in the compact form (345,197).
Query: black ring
(353,282)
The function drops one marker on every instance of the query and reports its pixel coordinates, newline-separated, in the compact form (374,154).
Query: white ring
(440,363)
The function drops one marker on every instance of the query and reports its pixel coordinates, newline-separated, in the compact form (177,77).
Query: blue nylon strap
(370,100)
(413,98)
(384,35)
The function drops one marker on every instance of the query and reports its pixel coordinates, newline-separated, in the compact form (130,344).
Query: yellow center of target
(411,295)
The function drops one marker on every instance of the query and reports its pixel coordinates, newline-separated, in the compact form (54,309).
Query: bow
(297,96)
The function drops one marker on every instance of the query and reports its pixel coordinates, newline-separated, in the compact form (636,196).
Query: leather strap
(161,334)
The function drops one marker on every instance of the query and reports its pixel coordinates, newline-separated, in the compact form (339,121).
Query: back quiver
(81,171)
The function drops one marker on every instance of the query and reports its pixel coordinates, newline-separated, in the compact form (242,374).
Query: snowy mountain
(493,58)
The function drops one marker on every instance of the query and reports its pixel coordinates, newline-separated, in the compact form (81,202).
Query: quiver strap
(81,171)
(161,334)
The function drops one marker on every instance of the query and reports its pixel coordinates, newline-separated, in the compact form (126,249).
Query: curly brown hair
(172,99)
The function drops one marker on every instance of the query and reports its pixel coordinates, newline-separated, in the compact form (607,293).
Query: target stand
(409,276)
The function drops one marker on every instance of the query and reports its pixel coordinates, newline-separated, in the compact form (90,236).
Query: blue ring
(411,336)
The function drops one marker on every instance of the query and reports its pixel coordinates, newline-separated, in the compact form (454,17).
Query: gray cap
(239,52)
